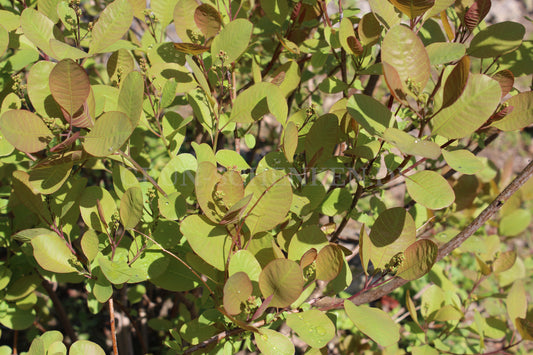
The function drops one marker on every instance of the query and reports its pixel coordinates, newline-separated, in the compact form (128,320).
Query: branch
(484,216)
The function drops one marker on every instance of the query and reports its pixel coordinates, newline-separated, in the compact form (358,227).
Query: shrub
(265,178)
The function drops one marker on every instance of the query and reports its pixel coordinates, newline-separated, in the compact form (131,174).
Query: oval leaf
(52,254)
(271,201)
(404,50)
(69,85)
(271,342)
(237,289)
(463,161)
(112,24)
(208,20)
(522,114)
(418,259)
(374,323)
(410,145)
(232,41)
(497,39)
(472,109)
(393,231)
(329,262)
(131,207)
(109,133)
(313,327)
(210,241)
(25,130)
(283,280)
(430,189)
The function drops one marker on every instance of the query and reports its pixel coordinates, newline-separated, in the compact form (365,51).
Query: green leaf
(232,40)
(521,115)
(329,262)
(163,11)
(49,179)
(21,287)
(271,342)
(405,52)
(445,52)
(17,319)
(25,130)
(38,28)
(290,141)
(448,313)
(10,21)
(131,207)
(85,347)
(413,8)
(237,289)
(112,24)
(364,248)
(89,244)
(497,39)
(514,223)
(130,97)
(178,175)
(463,161)
(283,279)
(410,145)
(313,326)
(384,12)
(39,90)
(271,201)
(62,11)
(371,114)
(123,179)
(393,231)
(374,323)
(232,190)
(207,177)
(286,76)
(419,257)
(369,29)
(89,209)
(322,139)
(61,50)
(208,20)
(52,254)
(173,206)
(472,109)
(4,40)
(109,133)
(183,18)
(275,10)
(116,271)
(258,100)
(245,261)
(29,196)
(305,239)
(349,42)
(210,241)
(230,159)
(430,189)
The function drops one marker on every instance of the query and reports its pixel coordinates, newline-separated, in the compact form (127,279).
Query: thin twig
(112,323)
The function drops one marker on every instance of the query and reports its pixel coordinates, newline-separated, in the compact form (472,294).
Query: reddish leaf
(208,20)
(191,48)
(456,82)
(69,85)
(476,13)
(506,80)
